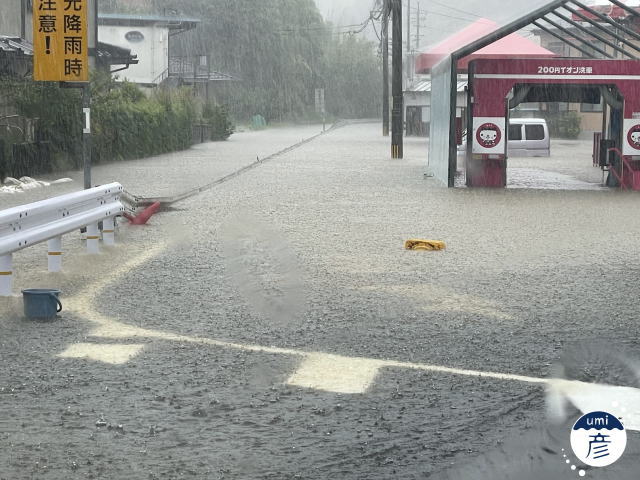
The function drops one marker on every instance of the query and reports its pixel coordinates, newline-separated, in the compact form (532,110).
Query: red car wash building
(500,81)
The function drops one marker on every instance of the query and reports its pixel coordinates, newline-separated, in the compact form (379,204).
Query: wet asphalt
(304,254)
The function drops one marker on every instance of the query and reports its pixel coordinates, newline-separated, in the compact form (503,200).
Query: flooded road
(274,327)
(569,168)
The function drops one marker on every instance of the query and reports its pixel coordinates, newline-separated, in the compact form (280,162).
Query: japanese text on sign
(61,52)
(570,70)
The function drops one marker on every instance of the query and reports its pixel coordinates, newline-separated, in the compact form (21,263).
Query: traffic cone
(145,215)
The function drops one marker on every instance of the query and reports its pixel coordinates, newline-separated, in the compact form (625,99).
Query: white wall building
(148,37)
(11,18)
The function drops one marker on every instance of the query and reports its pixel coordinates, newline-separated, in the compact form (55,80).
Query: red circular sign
(488,135)
(633,137)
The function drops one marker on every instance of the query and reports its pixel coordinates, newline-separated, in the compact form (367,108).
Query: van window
(534,132)
(515,132)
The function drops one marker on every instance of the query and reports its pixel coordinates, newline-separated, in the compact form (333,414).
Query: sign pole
(62,39)
(86,135)
(324,113)
(321,107)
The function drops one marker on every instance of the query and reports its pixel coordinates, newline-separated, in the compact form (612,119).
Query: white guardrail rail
(48,220)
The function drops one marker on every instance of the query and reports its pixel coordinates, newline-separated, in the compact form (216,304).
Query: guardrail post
(93,239)
(55,254)
(6,275)
(108,231)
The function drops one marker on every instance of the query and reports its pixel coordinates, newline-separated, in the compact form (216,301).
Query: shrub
(564,124)
(129,125)
(126,124)
(217,116)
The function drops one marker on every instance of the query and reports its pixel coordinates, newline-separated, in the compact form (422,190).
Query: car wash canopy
(571,22)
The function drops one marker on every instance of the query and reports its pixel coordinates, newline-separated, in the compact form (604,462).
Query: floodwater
(174,173)
(316,346)
(569,168)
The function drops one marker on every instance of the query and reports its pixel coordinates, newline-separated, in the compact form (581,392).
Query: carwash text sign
(60,41)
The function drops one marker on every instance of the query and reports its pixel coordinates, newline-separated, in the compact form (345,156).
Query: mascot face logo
(489,135)
(633,137)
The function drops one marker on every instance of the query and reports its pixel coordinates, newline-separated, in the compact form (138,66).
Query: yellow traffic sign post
(61,54)
(60,41)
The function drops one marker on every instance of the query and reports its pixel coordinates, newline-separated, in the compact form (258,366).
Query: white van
(528,137)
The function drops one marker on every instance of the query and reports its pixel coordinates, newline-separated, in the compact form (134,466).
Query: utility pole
(418,20)
(408,41)
(396,80)
(385,68)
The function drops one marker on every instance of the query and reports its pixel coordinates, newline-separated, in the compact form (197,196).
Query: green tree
(282,50)
(353,79)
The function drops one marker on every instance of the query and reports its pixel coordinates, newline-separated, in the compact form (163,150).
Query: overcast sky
(442,17)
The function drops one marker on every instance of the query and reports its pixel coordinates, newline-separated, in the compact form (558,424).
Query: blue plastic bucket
(41,302)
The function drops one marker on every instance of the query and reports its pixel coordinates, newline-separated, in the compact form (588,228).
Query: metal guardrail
(48,220)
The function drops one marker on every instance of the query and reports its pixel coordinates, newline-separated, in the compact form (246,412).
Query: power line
(375,30)
(431,12)
(465,12)
(352,29)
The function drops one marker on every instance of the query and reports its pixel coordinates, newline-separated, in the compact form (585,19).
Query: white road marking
(337,374)
(343,374)
(113,354)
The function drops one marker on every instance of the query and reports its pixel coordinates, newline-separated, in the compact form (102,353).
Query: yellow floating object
(424,245)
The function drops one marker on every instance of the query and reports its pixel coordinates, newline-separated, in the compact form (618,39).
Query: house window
(592,107)
(528,107)
(555,107)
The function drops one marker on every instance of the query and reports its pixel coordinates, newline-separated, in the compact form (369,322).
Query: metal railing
(161,78)
(597,137)
(632,180)
(190,69)
(48,220)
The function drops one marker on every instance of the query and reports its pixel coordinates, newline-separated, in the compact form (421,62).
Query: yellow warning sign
(60,41)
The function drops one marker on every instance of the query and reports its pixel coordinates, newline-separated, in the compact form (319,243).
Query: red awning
(511,46)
